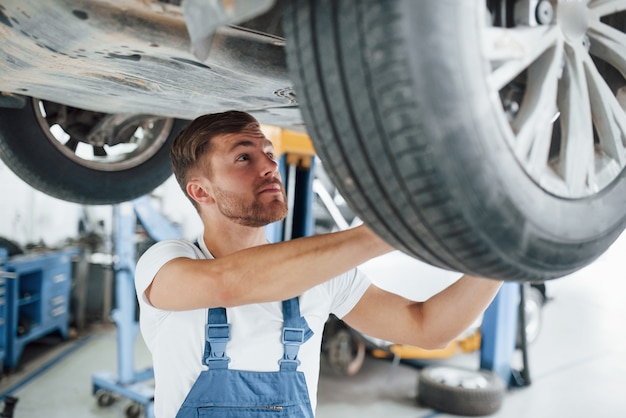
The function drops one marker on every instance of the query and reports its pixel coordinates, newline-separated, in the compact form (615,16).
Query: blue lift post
(129,383)
(298,181)
(499,331)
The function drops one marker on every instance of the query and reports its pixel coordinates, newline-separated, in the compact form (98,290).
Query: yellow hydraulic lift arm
(297,146)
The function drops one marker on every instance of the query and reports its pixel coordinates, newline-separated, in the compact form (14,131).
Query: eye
(271,155)
(243,157)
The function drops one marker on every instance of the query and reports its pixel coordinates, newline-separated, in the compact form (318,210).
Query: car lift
(130,383)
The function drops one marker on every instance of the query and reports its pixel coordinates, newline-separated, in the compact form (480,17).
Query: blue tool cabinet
(37,292)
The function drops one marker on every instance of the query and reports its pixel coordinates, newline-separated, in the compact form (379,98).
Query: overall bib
(224,393)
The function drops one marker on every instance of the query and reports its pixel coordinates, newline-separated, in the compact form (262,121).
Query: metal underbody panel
(136,57)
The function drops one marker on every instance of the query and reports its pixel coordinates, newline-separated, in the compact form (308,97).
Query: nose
(270,167)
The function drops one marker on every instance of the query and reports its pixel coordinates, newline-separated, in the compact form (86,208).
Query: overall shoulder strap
(217,335)
(296,331)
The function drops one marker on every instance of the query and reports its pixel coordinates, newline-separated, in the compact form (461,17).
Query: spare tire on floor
(460,391)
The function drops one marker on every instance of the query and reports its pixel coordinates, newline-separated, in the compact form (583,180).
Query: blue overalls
(224,393)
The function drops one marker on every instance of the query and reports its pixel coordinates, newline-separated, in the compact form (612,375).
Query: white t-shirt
(176,338)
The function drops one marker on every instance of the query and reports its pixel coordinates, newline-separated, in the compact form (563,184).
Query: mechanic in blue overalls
(222,342)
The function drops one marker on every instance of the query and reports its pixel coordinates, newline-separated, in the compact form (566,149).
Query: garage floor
(578,364)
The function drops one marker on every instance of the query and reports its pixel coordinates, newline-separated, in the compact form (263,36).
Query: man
(227,168)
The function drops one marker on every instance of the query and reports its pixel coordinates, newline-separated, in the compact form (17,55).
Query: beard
(250,213)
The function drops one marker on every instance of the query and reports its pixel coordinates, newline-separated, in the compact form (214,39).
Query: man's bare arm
(261,274)
(431,324)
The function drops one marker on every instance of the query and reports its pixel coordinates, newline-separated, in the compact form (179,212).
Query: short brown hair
(195,140)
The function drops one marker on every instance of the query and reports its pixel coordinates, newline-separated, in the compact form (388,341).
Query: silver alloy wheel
(559,71)
(461,378)
(103,142)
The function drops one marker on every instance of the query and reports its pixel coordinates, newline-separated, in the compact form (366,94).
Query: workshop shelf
(37,299)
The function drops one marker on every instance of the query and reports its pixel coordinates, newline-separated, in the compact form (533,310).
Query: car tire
(32,148)
(460,391)
(399,100)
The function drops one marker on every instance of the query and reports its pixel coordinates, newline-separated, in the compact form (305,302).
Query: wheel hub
(572,17)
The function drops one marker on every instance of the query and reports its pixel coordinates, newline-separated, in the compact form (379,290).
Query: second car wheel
(83,156)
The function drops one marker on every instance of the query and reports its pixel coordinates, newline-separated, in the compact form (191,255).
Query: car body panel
(136,57)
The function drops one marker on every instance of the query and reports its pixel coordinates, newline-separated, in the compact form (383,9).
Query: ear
(199,192)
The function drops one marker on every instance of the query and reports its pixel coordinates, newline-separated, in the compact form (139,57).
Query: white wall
(29,216)
(171,202)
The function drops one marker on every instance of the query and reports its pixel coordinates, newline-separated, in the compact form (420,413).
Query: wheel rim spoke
(511,51)
(577,151)
(72,144)
(609,44)
(534,121)
(603,8)
(99,151)
(608,116)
